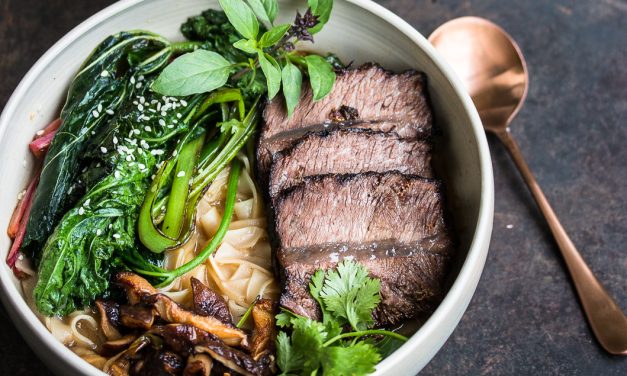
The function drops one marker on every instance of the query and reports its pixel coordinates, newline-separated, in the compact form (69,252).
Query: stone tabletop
(524,317)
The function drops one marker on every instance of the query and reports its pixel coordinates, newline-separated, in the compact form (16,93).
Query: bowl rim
(475,258)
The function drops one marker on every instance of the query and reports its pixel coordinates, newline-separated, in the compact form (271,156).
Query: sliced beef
(344,151)
(391,222)
(366,97)
(368,93)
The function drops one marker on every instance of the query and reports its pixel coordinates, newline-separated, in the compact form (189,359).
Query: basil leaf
(265,10)
(241,17)
(292,82)
(321,76)
(322,9)
(272,71)
(272,36)
(246,45)
(196,72)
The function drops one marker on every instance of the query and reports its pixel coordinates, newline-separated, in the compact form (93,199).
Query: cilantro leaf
(308,337)
(287,359)
(350,295)
(357,359)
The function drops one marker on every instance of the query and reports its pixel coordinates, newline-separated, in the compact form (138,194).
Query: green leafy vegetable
(292,83)
(100,87)
(322,10)
(345,295)
(241,17)
(321,76)
(274,52)
(193,73)
(272,71)
(265,10)
(273,36)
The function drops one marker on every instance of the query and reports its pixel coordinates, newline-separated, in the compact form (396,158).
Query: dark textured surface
(524,318)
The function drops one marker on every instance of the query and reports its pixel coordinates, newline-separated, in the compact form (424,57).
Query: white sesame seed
(98,232)
(93,133)
(136,131)
(179,116)
(110,225)
(39,133)
(104,73)
(95,113)
(117,174)
(175,121)
(115,140)
(140,78)
(162,122)
(135,103)
(110,112)
(180,174)
(163,113)
(152,110)
(139,85)
(21,195)
(81,211)
(132,80)
(144,144)
(184,102)
(159,106)
(141,166)
(154,101)
(129,158)
(175,152)
(117,236)
(140,107)
(156,152)
(99,107)
(142,100)
(170,126)
(103,150)
(147,128)
(86,203)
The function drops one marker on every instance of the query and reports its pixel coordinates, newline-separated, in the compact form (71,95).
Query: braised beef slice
(371,92)
(390,222)
(371,97)
(343,151)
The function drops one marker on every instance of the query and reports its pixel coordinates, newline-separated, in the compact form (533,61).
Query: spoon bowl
(491,65)
(493,69)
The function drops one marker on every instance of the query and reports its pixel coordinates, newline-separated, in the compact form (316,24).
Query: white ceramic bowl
(359,30)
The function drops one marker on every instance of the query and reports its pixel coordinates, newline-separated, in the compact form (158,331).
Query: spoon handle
(608,322)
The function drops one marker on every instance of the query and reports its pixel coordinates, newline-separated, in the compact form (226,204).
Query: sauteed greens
(142,136)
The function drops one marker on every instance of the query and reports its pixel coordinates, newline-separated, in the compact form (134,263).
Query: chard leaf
(322,9)
(193,73)
(292,83)
(246,45)
(272,36)
(321,76)
(241,17)
(265,10)
(272,71)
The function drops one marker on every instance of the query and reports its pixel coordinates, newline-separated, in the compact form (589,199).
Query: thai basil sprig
(271,51)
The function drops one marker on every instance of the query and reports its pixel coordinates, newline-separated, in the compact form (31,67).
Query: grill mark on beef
(342,151)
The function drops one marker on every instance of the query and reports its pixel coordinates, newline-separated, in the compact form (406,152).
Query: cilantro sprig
(342,343)
(268,47)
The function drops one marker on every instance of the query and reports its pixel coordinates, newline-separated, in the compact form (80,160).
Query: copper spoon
(493,68)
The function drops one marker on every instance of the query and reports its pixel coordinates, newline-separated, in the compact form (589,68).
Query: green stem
(229,205)
(362,333)
(183,47)
(242,321)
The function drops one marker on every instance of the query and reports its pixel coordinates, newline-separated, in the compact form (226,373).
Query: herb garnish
(347,297)
(272,51)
